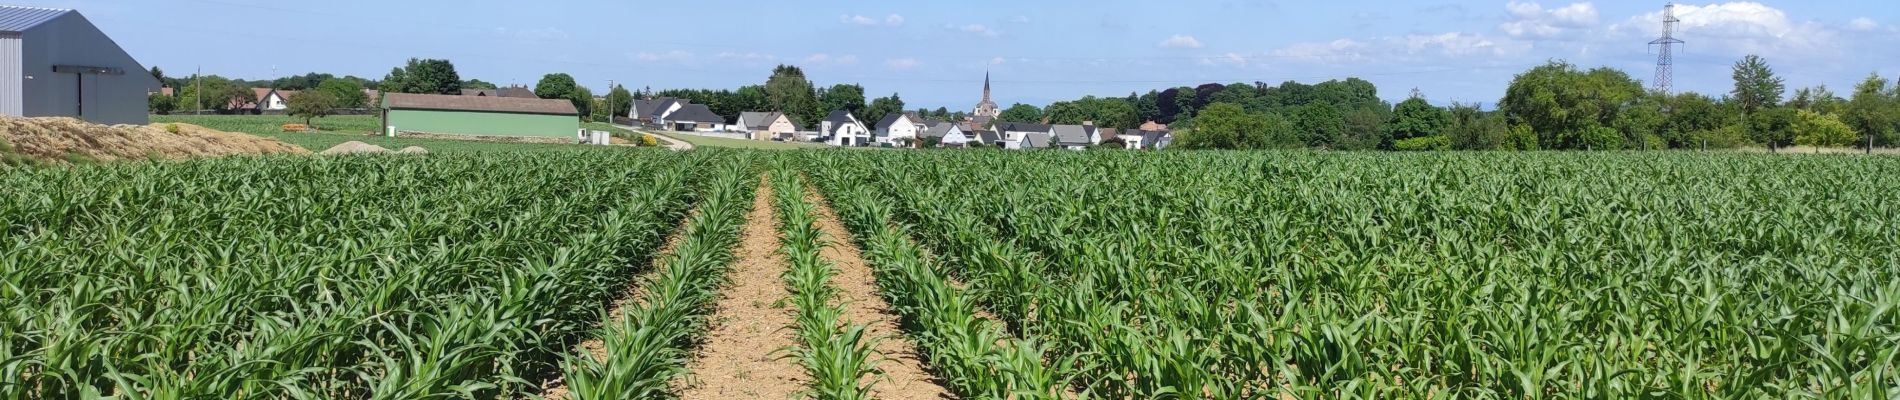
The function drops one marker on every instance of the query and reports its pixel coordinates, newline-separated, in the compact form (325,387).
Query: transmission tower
(1666,58)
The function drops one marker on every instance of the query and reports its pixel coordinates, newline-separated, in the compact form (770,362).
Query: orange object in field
(296,127)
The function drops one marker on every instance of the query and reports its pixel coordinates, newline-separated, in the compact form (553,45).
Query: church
(985,111)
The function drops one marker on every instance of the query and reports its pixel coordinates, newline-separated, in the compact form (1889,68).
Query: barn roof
(16,19)
(473,103)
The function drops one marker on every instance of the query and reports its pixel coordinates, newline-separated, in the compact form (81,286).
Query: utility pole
(610,102)
(1666,58)
(199,80)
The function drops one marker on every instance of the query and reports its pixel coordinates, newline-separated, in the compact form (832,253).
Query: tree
(1560,103)
(584,103)
(478,84)
(883,106)
(218,94)
(844,97)
(1416,117)
(1756,86)
(159,74)
(346,93)
(1469,128)
(1818,99)
(789,92)
(1020,113)
(1145,108)
(1229,126)
(1822,130)
(159,103)
(430,76)
(1773,126)
(1873,112)
(620,101)
(561,86)
(312,104)
(1319,124)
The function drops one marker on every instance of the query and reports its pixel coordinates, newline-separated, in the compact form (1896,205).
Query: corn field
(1041,275)
(1311,275)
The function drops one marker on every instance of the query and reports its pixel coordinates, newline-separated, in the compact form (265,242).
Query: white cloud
(998,61)
(1181,42)
(1737,28)
(1020,19)
(675,55)
(1532,21)
(533,34)
(1327,52)
(978,29)
(1229,59)
(902,63)
(1863,24)
(1458,44)
(888,20)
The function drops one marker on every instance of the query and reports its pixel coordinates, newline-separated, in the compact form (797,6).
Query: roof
(645,108)
(1071,134)
(1150,138)
(759,121)
(481,104)
(696,113)
(890,119)
(1035,140)
(519,92)
(839,117)
(260,93)
(660,107)
(987,136)
(480,92)
(940,129)
(16,19)
(1021,127)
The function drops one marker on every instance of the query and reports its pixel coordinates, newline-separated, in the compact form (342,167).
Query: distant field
(335,130)
(705,141)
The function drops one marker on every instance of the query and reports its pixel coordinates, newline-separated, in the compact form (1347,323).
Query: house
(768,125)
(55,63)
(482,92)
(986,138)
(663,108)
(480,116)
(269,99)
(1150,136)
(643,109)
(1030,141)
(1073,137)
(516,92)
(694,118)
(843,129)
(899,127)
(1013,131)
(947,134)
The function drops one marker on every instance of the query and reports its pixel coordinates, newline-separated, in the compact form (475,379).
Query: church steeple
(987,107)
(986,86)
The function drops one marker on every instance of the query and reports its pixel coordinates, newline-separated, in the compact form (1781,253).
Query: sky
(935,53)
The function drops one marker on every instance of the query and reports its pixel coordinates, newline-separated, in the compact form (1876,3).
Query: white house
(1029,141)
(768,125)
(843,129)
(948,134)
(55,63)
(1014,132)
(269,99)
(897,127)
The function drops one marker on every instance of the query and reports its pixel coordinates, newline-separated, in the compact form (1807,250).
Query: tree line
(788,90)
(319,94)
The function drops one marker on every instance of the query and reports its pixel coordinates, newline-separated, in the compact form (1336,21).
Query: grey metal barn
(55,63)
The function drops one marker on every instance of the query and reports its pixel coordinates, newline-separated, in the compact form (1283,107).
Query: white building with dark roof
(55,63)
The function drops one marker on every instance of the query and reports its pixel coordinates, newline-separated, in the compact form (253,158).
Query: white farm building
(55,63)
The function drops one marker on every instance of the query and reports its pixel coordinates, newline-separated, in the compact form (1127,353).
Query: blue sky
(935,53)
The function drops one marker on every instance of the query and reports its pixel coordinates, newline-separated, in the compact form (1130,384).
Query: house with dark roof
(947,134)
(1012,133)
(1072,137)
(56,63)
(1150,136)
(517,92)
(768,125)
(1031,141)
(840,128)
(269,99)
(694,118)
(899,127)
(480,116)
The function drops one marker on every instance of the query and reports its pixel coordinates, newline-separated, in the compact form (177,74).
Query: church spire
(986,86)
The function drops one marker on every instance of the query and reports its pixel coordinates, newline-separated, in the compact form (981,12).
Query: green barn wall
(484,123)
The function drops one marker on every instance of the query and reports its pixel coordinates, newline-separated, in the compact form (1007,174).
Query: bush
(1423,143)
(171,128)
(1520,138)
(1602,138)
(1727,137)
(649,141)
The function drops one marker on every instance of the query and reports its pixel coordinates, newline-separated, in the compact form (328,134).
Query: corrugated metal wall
(11,79)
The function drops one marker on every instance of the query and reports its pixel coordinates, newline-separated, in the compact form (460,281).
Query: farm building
(55,63)
(480,116)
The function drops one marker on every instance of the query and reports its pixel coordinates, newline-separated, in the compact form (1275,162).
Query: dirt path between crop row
(636,288)
(753,324)
(904,373)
